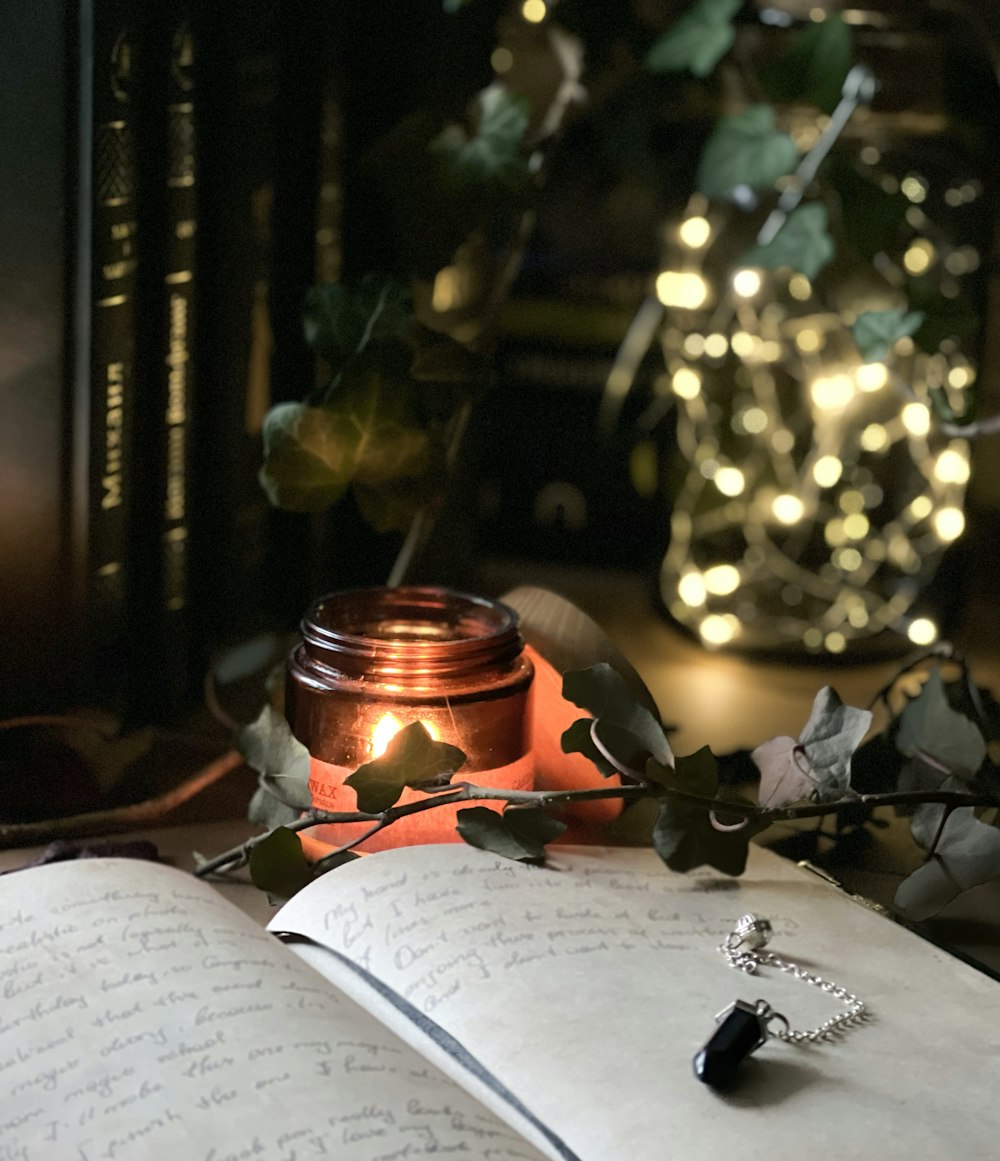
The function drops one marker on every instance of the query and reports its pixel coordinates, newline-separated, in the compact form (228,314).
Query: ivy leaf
(577,739)
(366,432)
(412,758)
(930,729)
(784,773)
(831,735)
(967,854)
(495,153)
(307,457)
(270,748)
(277,864)
(801,244)
(875,331)
(745,150)
(683,834)
(519,833)
(392,506)
(698,39)
(282,762)
(815,67)
(818,765)
(339,321)
(624,731)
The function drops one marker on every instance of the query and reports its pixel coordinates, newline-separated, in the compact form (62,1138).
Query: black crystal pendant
(742,1030)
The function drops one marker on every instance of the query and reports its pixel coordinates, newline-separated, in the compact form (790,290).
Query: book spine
(177,364)
(105,339)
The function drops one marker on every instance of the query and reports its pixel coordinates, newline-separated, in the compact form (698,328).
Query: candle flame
(387,727)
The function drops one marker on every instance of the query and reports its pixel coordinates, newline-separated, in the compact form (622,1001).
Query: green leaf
(815,67)
(270,748)
(277,864)
(684,838)
(624,731)
(745,150)
(392,507)
(519,833)
(875,331)
(802,243)
(366,433)
(339,321)
(412,758)
(308,458)
(930,728)
(495,153)
(577,739)
(967,854)
(683,834)
(698,39)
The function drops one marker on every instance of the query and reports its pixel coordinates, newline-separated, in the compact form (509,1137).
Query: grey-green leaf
(967,854)
(802,243)
(832,734)
(495,153)
(519,833)
(271,749)
(697,40)
(745,150)
(875,331)
(930,728)
(412,758)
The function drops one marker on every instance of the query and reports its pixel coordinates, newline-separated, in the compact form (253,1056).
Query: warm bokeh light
(746,283)
(916,419)
(534,11)
(686,383)
(952,466)
(695,232)
(730,481)
(722,579)
(832,392)
(787,508)
(682,288)
(691,590)
(949,523)
(922,631)
(871,376)
(827,470)
(717,629)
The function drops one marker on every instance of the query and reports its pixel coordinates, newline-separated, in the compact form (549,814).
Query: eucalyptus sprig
(930,762)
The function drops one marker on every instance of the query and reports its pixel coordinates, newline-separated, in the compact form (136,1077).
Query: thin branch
(120,818)
(469,792)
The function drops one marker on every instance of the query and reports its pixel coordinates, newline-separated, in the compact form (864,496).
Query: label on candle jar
(326,785)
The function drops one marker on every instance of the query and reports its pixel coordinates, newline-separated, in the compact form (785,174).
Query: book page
(586,987)
(144,1017)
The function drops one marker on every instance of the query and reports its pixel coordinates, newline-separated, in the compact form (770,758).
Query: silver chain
(750,960)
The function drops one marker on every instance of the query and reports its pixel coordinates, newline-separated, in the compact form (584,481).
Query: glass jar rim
(418,628)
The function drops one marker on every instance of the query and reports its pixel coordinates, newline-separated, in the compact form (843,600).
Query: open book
(438,1001)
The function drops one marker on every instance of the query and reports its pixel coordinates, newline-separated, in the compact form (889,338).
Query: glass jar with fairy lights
(820,311)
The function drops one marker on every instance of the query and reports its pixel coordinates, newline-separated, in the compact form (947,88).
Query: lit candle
(373,661)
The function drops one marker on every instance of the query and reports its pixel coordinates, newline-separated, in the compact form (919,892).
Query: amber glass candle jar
(372,661)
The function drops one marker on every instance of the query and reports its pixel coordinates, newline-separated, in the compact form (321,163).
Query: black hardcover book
(168,286)
(68,234)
